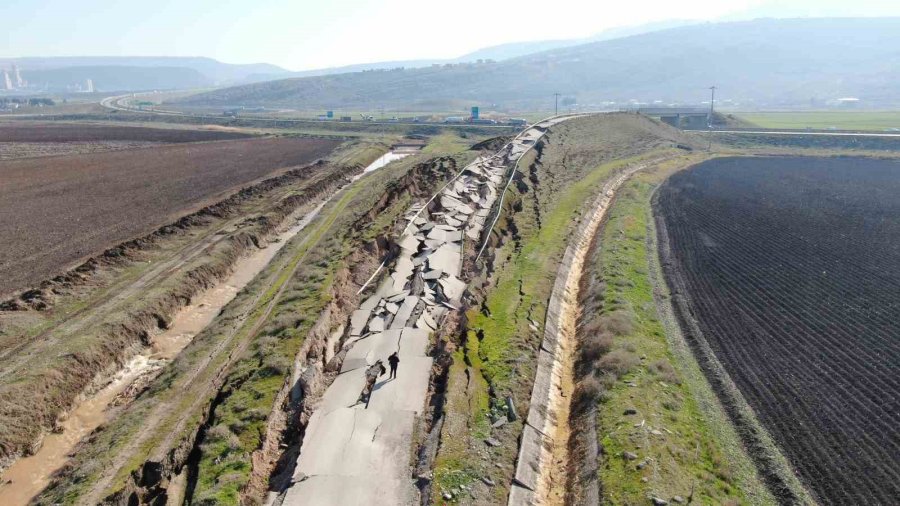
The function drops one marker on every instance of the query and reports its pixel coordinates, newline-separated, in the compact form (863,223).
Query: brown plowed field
(57,211)
(791,268)
(26,131)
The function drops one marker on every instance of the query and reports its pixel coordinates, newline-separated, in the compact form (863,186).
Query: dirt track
(57,211)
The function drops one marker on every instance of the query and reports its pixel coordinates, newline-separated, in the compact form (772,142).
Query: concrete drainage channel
(541,468)
(352,453)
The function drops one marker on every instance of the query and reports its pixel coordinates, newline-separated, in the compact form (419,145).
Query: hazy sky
(305,34)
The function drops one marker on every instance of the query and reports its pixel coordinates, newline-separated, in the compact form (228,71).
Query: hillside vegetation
(761,62)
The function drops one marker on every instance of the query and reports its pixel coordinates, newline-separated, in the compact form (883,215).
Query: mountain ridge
(760,62)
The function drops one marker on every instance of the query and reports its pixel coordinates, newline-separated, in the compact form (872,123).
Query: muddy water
(28,476)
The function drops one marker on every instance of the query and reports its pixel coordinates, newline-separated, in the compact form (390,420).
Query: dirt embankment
(27,414)
(55,215)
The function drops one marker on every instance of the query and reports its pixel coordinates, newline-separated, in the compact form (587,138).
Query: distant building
(88,85)
(7,82)
(20,83)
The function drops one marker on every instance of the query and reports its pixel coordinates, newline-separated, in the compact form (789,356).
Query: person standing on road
(393,360)
(372,373)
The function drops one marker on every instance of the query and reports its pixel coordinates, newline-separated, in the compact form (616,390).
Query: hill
(767,62)
(127,73)
(115,78)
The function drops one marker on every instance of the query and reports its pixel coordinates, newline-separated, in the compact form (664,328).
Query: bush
(618,362)
(608,380)
(665,371)
(618,323)
(587,392)
(221,433)
(595,346)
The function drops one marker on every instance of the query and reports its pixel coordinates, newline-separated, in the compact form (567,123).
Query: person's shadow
(381,384)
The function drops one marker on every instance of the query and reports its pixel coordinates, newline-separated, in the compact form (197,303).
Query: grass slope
(681,447)
(839,120)
(497,357)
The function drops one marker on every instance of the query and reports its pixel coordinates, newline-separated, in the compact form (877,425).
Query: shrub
(587,393)
(618,362)
(595,346)
(618,323)
(608,380)
(220,432)
(665,371)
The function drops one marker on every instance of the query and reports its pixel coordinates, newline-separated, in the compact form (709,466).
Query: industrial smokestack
(7,82)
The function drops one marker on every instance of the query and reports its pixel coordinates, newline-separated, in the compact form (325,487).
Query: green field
(839,120)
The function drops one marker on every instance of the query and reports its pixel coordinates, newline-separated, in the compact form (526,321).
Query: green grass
(840,120)
(531,272)
(499,347)
(687,456)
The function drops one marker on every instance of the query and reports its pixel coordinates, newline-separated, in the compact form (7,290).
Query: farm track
(91,313)
(810,336)
(117,296)
(55,215)
(261,307)
(107,311)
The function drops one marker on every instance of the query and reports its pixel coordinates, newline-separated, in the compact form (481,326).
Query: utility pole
(709,122)
(556,106)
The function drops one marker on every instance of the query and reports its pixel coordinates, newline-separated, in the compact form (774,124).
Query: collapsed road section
(357,447)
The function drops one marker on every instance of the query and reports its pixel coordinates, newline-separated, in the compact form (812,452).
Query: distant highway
(116,103)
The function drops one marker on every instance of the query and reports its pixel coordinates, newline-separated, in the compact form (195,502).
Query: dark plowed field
(791,267)
(25,131)
(57,211)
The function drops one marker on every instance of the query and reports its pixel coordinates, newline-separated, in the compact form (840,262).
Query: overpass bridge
(692,118)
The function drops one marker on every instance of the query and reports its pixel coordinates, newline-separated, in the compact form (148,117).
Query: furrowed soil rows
(57,211)
(70,132)
(790,267)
